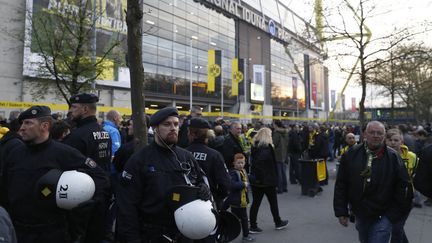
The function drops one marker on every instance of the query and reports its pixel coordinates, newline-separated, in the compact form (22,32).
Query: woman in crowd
(264,179)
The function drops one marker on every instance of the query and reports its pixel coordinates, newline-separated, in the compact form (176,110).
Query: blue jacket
(114,133)
(237,188)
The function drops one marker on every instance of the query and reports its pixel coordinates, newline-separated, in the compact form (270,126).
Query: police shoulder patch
(90,163)
(126,175)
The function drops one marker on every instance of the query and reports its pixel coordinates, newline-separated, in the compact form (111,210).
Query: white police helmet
(66,189)
(196,219)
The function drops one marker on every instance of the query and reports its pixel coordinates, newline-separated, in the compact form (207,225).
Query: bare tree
(63,38)
(413,65)
(361,44)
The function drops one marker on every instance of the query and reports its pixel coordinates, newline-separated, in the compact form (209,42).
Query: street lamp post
(190,81)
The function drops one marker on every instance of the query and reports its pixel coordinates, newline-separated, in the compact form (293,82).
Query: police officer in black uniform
(210,160)
(88,136)
(144,214)
(92,141)
(35,221)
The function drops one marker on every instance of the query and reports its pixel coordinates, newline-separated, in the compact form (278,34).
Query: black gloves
(204,192)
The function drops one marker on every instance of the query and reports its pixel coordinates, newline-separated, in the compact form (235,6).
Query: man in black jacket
(373,180)
(232,145)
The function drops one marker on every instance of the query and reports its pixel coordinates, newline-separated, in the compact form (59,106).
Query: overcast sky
(388,15)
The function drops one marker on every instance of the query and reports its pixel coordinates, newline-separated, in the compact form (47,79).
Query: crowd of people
(139,193)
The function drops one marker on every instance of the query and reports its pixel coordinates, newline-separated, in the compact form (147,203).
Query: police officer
(35,221)
(148,176)
(94,142)
(210,160)
(88,136)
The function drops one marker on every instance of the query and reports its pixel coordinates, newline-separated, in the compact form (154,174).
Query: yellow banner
(236,76)
(214,69)
(210,77)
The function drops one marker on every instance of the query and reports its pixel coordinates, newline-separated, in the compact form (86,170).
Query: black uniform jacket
(92,141)
(212,162)
(26,164)
(388,193)
(145,184)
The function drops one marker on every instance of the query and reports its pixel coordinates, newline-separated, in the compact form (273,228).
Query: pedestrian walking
(264,179)
(374,181)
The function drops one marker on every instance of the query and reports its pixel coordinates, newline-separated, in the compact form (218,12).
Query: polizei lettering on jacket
(200,156)
(100,135)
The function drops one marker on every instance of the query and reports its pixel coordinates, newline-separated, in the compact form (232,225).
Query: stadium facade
(278,69)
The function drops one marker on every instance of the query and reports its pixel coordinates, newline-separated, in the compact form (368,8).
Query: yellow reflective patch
(176,197)
(46,191)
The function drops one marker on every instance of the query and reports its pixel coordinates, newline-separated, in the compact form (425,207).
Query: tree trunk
(363,84)
(134,17)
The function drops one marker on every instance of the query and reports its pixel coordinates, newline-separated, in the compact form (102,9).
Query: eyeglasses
(376,133)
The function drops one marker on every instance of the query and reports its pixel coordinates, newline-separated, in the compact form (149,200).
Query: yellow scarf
(244,179)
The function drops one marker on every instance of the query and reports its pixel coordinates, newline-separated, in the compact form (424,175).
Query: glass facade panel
(287,89)
(167,49)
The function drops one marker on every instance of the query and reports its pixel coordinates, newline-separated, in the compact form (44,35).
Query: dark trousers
(282,178)
(257,196)
(241,213)
(294,168)
(44,234)
(398,233)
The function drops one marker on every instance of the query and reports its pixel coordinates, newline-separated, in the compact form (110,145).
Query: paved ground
(312,219)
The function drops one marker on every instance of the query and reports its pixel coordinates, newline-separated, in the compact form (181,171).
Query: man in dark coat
(280,142)
(232,145)
(373,180)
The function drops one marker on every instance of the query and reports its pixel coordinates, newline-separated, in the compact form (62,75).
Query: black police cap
(162,114)
(84,98)
(35,112)
(199,123)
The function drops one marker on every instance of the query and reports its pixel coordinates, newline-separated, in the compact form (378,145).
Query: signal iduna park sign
(249,15)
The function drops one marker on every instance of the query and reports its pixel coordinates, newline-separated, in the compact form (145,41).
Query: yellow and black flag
(214,69)
(237,70)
